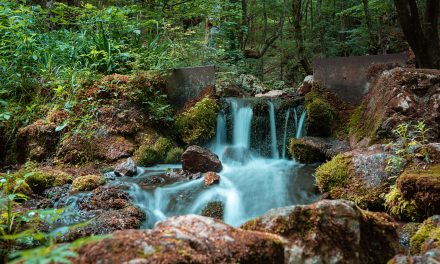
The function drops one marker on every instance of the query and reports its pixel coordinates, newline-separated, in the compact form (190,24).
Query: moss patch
(400,207)
(87,183)
(333,174)
(197,124)
(155,150)
(321,115)
(429,232)
(214,209)
(360,126)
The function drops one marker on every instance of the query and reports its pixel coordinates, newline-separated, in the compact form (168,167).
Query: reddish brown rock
(211,178)
(331,231)
(198,159)
(185,239)
(306,86)
(114,148)
(37,141)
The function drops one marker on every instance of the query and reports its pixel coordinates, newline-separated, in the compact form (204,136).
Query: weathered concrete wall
(347,76)
(185,84)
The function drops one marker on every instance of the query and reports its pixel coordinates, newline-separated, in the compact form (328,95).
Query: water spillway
(250,183)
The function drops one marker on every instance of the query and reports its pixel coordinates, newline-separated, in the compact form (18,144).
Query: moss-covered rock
(416,195)
(214,209)
(197,124)
(174,155)
(334,173)
(427,237)
(305,153)
(359,176)
(156,149)
(321,115)
(87,183)
(40,179)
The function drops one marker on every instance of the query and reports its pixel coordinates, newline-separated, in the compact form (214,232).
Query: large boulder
(185,239)
(198,159)
(331,231)
(400,95)
(359,175)
(314,149)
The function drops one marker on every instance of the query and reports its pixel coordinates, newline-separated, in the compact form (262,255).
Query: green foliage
(334,173)
(174,155)
(408,138)
(197,124)
(400,207)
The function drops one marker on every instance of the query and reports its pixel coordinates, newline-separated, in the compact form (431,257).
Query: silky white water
(246,189)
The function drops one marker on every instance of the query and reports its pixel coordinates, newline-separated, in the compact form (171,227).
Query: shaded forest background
(49,49)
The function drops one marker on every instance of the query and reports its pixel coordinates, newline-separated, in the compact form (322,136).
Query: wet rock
(400,95)
(359,175)
(236,155)
(185,239)
(37,141)
(112,148)
(87,183)
(126,168)
(178,174)
(58,192)
(109,210)
(214,209)
(430,257)
(306,86)
(310,150)
(331,231)
(211,178)
(198,159)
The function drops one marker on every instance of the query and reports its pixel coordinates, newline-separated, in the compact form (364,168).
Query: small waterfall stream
(248,188)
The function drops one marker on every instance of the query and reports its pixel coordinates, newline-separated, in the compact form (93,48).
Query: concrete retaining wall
(347,76)
(185,84)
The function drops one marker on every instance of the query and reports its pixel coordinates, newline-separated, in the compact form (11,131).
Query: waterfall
(221,129)
(300,124)
(242,118)
(273,131)
(286,123)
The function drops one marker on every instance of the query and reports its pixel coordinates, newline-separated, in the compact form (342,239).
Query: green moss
(39,181)
(400,207)
(305,153)
(197,124)
(87,183)
(427,231)
(174,155)
(321,114)
(214,209)
(361,126)
(332,174)
(155,150)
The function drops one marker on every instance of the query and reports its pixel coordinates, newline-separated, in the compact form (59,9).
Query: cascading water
(286,124)
(300,124)
(246,189)
(273,131)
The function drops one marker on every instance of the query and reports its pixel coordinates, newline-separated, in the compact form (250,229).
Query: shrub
(174,155)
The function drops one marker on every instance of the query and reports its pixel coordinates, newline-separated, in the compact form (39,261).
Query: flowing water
(250,183)
(247,188)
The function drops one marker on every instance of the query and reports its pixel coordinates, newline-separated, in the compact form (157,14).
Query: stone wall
(185,84)
(347,76)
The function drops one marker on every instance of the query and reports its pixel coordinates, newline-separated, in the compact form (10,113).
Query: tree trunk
(423,38)
(373,45)
(298,35)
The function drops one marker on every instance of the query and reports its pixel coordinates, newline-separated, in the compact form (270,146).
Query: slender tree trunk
(298,35)
(373,45)
(422,35)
